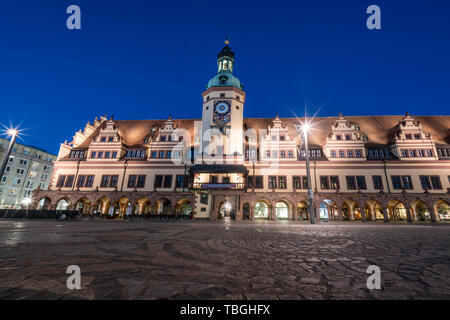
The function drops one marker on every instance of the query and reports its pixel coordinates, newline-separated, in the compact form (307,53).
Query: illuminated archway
(282,210)
(302,210)
(443,209)
(163,206)
(184,207)
(62,204)
(422,211)
(83,205)
(261,210)
(44,203)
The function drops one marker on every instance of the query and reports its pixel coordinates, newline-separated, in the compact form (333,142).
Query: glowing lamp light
(12,132)
(306,126)
(26,201)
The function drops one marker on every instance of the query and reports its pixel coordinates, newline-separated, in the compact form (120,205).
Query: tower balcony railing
(216,185)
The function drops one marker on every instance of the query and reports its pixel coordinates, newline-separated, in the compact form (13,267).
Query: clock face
(222,107)
(221,113)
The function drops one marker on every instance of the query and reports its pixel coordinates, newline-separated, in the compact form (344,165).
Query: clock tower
(222,116)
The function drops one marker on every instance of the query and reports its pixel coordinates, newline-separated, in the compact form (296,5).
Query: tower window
(222,95)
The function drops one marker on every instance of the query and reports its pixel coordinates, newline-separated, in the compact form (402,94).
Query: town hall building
(368,168)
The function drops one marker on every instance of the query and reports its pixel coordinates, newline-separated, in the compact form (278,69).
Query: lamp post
(312,215)
(13,134)
(27,201)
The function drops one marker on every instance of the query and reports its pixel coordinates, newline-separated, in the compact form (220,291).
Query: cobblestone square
(217,260)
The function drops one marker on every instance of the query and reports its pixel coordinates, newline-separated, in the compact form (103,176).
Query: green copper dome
(224,77)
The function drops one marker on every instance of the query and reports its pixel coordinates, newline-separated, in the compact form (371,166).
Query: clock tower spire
(222,116)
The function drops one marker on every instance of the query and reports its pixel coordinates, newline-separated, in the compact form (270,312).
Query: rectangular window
(348,137)
(333,153)
(407,182)
(113,181)
(132,180)
(105,181)
(408,136)
(274,154)
(296,183)
(226,180)
(429,153)
(272,182)
(179,182)
(141,181)
(425,182)
(100,154)
(361,182)
(169,154)
(324,183)
(93,153)
(267,154)
(81,181)
(290,154)
(377,182)
(61,180)
(334,182)
(114,154)
(305,182)
(404,153)
(412,153)
(259,182)
(161,154)
(349,153)
(417,136)
(396,182)
(103,139)
(90,181)
(282,182)
(351,184)
(282,154)
(358,153)
(436,182)
(162,139)
(69,181)
(341,154)
(168,181)
(420,153)
(107,154)
(158,181)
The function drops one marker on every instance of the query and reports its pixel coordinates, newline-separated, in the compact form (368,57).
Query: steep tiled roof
(379,129)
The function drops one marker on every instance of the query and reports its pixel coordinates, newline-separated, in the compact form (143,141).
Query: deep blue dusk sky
(145,59)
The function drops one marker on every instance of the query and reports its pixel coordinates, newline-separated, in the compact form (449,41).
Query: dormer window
(348,137)
(103,139)
(282,138)
(417,136)
(338,137)
(110,139)
(162,138)
(135,154)
(77,154)
(408,136)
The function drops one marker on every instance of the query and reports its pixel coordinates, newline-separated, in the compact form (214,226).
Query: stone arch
(63,204)
(442,209)
(122,205)
(44,203)
(397,210)
(354,211)
(102,205)
(262,209)
(375,210)
(328,210)
(143,206)
(83,205)
(283,210)
(162,206)
(302,210)
(422,210)
(184,207)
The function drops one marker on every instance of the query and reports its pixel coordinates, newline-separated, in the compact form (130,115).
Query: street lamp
(312,216)
(27,201)
(13,134)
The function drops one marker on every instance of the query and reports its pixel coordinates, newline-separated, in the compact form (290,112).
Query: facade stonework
(367,168)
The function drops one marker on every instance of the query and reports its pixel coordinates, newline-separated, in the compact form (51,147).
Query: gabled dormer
(107,143)
(345,141)
(81,140)
(277,144)
(168,143)
(411,142)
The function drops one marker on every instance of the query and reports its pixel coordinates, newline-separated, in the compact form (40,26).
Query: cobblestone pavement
(204,260)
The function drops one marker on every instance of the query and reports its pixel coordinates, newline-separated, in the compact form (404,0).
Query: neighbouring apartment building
(28,168)
(385,168)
